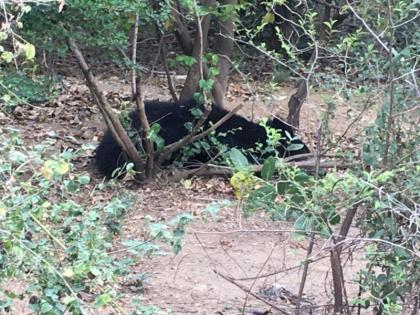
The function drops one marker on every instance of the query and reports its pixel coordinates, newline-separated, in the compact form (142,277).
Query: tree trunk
(296,102)
(181,31)
(193,76)
(224,48)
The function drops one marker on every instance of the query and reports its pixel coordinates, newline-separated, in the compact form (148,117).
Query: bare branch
(111,119)
(196,72)
(385,157)
(165,64)
(198,51)
(134,55)
(217,124)
(229,279)
(312,236)
(367,27)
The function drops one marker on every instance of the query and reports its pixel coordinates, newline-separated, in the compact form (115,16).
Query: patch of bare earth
(188,283)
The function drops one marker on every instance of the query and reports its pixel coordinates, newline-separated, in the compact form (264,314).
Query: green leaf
(196,112)
(334,218)
(84,179)
(282,187)
(294,146)
(238,159)
(72,186)
(214,59)
(7,56)
(402,253)
(188,125)
(68,272)
(206,85)
(160,142)
(384,177)
(29,51)
(3,36)
(103,300)
(301,177)
(6,98)
(68,299)
(268,18)
(17,157)
(153,135)
(153,131)
(268,169)
(95,271)
(212,209)
(46,307)
(300,223)
(62,167)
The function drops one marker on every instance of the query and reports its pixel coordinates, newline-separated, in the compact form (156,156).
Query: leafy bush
(59,248)
(101,26)
(373,62)
(18,89)
(389,221)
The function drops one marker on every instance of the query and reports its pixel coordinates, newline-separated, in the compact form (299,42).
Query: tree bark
(161,36)
(295,103)
(181,31)
(193,76)
(224,48)
(336,267)
(146,128)
(138,96)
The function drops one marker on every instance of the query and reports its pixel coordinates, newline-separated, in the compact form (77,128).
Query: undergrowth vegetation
(57,246)
(60,230)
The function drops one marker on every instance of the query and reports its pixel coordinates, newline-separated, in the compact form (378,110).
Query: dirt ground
(187,283)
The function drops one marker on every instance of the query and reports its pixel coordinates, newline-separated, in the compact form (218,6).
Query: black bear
(236,132)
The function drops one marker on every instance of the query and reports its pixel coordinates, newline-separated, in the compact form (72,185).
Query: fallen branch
(216,170)
(245,289)
(298,157)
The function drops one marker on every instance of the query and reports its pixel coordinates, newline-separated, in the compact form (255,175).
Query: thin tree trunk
(295,103)
(193,76)
(224,48)
(161,37)
(111,119)
(137,94)
(336,267)
(181,30)
(296,100)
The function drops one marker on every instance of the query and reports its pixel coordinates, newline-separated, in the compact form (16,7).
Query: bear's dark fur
(235,132)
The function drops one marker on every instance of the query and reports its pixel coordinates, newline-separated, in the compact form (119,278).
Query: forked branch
(110,117)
